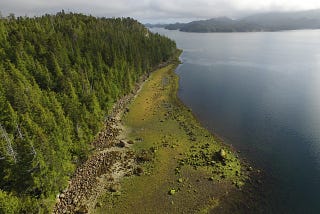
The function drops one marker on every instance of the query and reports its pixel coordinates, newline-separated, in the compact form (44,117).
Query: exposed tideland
(180,166)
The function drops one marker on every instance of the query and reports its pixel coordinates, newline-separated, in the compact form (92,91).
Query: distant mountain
(275,21)
(220,24)
(286,21)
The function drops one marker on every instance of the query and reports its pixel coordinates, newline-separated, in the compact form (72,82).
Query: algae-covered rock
(222,154)
(172,192)
(130,142)
(139,171)
(115,187)
(239,184)
(145,156)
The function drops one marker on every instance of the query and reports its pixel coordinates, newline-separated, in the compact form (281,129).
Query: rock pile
(108,161)
(83,184)
(106,138)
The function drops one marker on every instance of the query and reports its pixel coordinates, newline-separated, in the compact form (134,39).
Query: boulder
(82,210)
(130,142)
(98,204)
(139,171)
(115,187)
(172,192)
(144,156)
(121,144)
(222,154)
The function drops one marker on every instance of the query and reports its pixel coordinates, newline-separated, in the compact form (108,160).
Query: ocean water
(260,92)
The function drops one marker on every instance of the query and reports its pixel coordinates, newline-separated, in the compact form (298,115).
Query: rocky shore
(106,166)
(111,160)
(182,168)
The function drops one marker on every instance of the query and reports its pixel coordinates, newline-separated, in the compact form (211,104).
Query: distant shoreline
(263,22)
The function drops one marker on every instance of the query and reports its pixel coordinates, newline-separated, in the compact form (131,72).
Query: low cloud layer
(155,10)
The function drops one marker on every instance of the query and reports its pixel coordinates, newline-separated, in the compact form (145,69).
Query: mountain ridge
(271,21)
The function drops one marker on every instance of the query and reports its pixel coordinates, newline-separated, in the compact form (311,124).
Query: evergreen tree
(60,75)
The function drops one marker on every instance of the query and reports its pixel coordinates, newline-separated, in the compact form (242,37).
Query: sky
(155,11)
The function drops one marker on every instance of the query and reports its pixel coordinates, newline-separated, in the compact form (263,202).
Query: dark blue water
(261,93)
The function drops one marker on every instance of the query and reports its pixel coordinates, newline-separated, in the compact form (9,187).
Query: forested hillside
(272,21)
(59,76)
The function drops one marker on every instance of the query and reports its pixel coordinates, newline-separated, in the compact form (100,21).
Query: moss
(211,203)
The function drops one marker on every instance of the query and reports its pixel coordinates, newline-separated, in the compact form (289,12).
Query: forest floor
(168,163)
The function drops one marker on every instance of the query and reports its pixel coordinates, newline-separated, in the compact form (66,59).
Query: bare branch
(10,150)
(19,132)
(33,152)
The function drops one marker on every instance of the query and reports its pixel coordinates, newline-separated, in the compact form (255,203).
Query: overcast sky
(155,11)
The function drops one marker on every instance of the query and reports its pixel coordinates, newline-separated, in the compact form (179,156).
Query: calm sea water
(261,93)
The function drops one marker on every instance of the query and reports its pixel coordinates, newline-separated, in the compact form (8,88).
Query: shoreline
(144,125)
(257,182)
(103,179)
(82,191)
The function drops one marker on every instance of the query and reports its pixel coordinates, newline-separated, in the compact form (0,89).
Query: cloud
(155,9)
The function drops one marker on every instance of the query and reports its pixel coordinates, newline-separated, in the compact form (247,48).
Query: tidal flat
(181,167)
